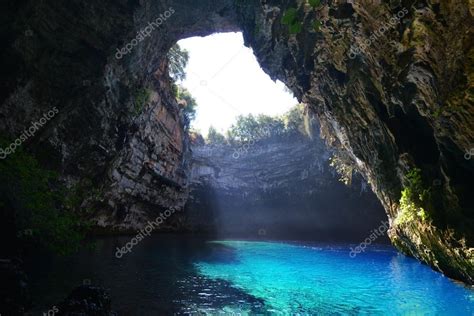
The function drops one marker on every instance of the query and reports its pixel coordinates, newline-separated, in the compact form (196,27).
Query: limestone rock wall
(281,188)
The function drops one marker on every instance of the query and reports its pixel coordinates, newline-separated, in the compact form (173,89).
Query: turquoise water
(301,279)
(185,275)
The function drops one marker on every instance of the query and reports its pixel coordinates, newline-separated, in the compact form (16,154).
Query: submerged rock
(15,297)
(86,301)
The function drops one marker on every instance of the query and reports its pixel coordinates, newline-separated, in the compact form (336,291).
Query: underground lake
(185,275)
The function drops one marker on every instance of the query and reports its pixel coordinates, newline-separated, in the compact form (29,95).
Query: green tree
(178,59)
(214,137)
(188,103)
(294,120)
(246,128)
(265,127)
(231,138)
(270,126)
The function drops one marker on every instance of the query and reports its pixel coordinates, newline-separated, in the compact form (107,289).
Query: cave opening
(259,168)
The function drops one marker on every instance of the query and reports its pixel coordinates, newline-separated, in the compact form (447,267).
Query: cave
(90,118)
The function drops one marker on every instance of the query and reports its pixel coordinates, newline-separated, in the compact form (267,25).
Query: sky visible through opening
(226,80)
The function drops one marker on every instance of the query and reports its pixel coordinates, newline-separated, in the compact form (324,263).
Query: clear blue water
(166,275)
(304,279)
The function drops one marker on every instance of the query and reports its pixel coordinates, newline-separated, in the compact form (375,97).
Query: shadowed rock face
(392,100)
(280,188)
